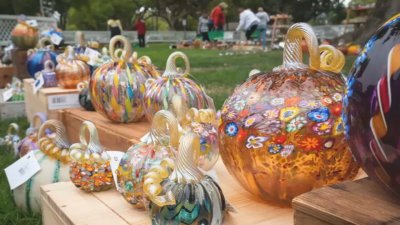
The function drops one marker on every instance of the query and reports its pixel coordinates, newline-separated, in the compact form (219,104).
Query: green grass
(218,74)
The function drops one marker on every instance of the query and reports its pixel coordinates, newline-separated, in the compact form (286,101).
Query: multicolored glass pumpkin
(372,109)
(160,91)
(145,64)
(116,88)
(27,196)
(186,195)
(84,96)
(12,139)
(24,36)
(282,132)
(202,122)
(49,75)
(90,168)
(29,143)
(71,71)
(139,158)
(38,57)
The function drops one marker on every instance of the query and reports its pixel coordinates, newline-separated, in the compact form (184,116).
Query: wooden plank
(352,202)
(39,102)
(113,136)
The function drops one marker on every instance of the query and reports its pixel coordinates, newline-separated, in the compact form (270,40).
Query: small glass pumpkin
(38,57)
(160,91)
(116,88)
(139,158)
(55,144)
(84,96)
(186,195)
(29,143)
(282,132)
(145,65)
(90,168)
(372,106)
(49,75)
(202,122)
(12,139)
(24,36)
(70,71)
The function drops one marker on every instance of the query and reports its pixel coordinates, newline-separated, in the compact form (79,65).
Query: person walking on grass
(217,17)
(263,26)
(202,28)
(114,25)
(140,26)
(248,22)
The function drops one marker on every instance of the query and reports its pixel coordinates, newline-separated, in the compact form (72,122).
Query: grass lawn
(218,74)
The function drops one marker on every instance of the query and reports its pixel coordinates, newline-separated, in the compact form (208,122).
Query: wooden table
(64,204)
(113,136)
(361,202)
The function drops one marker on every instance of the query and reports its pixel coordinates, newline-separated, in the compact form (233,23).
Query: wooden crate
(64,204)
(113,136)
(6,75)
(19,58)
(41,101)
(12,110)
(361,202)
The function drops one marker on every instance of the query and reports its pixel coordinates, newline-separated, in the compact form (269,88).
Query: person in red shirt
(141,31)
(217,17)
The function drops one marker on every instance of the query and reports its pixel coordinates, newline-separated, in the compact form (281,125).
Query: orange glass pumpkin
(70,71)
(24,36)
(282,132)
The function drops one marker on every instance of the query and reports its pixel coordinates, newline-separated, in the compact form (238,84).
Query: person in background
(140,27)
(262,26)
(202,28)
(217,17)
(248,22)
(114,25)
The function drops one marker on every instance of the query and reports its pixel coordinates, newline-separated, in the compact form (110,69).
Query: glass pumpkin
(49,75)
(29,143)
(70,71)
(12,139)
(116,88)
(139,158)
(145,65)
(371,117)
(282,132)
(55,144)
(202,122)
(84,96)
(186,195)
(53,160)
(90,168)
(24,36)
(160,91)
(37,57)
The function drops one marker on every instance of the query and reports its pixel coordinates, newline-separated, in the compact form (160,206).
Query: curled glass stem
(171,68)
(165,127)
(127,50)
(331,58)
(93,145)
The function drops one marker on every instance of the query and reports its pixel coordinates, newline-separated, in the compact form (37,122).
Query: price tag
(55,38)
(115,156)
(38,82)
(22,170)
(65,101)
(93,56)
(7,95)
(32,23)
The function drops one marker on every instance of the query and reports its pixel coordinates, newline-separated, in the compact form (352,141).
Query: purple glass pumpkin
(372,106)
(37,58)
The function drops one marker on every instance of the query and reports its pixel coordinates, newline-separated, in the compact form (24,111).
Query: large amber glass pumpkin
(282,131)
(70,71)
(160,91)
(373,105)
(117,88)
(24,36)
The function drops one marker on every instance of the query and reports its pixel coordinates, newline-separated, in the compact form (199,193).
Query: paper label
(39,82)
(115,156)
(7,95)
(93,56)
(55,38)
(22,170)
(32,23)
(65,101)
